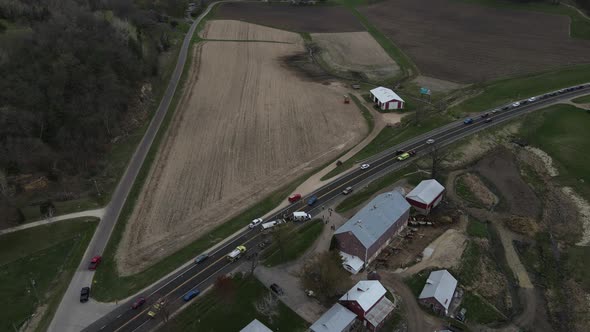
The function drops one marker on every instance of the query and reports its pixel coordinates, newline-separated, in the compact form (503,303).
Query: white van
(301,216)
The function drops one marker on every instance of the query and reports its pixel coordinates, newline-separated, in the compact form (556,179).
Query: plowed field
(467,43)
(294,18)
(246,125)
(356,51)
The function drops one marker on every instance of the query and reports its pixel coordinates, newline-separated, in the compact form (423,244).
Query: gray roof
(334,320)
(440,285)
(376,217)
(426,191)
(255,326)
(379,312)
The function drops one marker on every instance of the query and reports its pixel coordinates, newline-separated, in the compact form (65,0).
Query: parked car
(347,191)
(403,156)
(84,294)
(94,262)
(294,198)
(138,302)
(191,294)
(468,121)
(430,141)
(201,258)
(461,315)
(365,166)
(255,222)
(277,289)
(312,200)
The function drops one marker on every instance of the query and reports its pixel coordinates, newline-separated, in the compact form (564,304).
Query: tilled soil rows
(245,127)
(356,51)
(294,18)
(468,43)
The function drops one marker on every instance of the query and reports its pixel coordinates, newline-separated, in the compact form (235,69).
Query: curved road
(69,315)
(203,275)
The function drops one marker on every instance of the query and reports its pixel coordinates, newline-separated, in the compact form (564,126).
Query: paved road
(70,316)
(201,276)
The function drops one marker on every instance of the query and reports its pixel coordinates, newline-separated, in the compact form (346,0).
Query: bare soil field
(245,126)
(294,18)
(482,193)
(238,30)
(356,51)
(501,170)
(468,43)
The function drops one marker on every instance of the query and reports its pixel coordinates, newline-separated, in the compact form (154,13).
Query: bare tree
(281,237)
(253,262)
(436,158)
(268,306)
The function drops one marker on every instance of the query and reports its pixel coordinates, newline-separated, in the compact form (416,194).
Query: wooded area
(71,80)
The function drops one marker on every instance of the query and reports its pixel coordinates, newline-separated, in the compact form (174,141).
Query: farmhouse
(337,319)
(255,326)
(365,234)
(386,99)
(438,291)
(426,196)
(367,300)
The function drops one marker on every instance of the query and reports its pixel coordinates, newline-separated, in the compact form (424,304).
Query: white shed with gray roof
(337,319)
(438,291)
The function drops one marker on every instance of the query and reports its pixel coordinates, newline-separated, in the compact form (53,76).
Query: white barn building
(386,99)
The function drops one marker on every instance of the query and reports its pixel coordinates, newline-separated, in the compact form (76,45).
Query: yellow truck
(236,253)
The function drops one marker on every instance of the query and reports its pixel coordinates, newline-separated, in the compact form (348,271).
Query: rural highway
(70,316)
(200,276)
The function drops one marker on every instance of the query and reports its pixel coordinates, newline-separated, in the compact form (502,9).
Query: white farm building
(386,99)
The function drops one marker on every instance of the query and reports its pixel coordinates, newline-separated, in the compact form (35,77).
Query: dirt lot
(461,42)
(294,18)
(245,126)
(501,170)
(237,30)
(356,51)
(479,189)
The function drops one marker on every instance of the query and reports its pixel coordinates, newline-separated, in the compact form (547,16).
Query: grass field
(208,312)
(469,269)
(48,255)
(299,242)
(417,281)
(503,91)
(389,137)
(582,100)
(479,310)
(477,228)
(463,191)
(362,195)
(578,265)
(580,26)
(562,132)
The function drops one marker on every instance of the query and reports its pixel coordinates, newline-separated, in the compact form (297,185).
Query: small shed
(367,300)
(386,99)
(255,326)
(337,319)
(427,195)
(438,291)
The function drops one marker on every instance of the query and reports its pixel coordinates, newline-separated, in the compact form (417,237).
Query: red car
(94,262)
(294,198)
(138,303)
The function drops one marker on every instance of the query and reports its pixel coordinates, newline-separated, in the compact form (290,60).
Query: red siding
(354,307)
(349,244)
(416,204)
(433,305)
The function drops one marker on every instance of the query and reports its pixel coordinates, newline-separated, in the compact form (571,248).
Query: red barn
(367,300)
(426,195)
(386,99)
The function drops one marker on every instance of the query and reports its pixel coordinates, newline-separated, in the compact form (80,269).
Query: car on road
(94,262)
(495,111)
(530,100)
(365,166)
(468,121)
(138,303)
(505,108)
(403,156)
(485,115)
(294,198)
(156,308)
(430,141)
(488,120)
(561,91)
(277,289)
(398,152)
(84,294)
(201,258)
(347,191)
(312,200)
(255,222)
(191,294)
(516,104)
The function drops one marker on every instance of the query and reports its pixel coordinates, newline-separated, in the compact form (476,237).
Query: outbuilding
(386,99)
(337,319)
(367,300)
(255,326)
(427,195)
(365,234)
(438,291)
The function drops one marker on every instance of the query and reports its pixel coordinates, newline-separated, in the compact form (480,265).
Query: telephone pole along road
(70,316)
(203,275)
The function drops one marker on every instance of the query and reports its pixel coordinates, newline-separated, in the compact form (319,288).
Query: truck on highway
(271,224)
(236,253)
(301,216)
